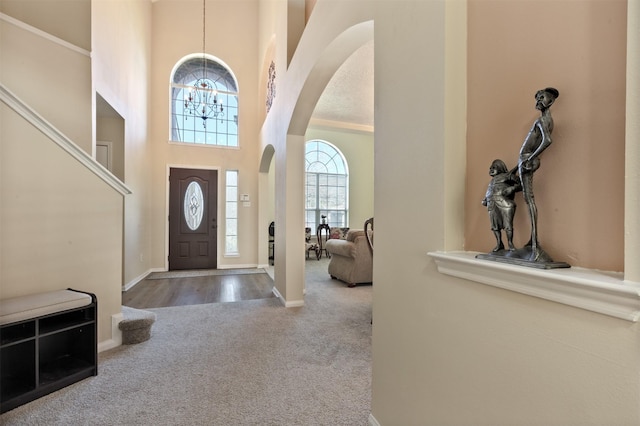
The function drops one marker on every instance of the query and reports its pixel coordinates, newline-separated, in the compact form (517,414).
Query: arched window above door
(204,103)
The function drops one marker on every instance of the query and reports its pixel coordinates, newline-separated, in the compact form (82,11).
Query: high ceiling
(348,97)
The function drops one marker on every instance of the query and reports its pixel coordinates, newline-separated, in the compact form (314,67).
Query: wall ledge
(602,292)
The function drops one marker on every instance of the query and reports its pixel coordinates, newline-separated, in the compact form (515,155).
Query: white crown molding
(317,123)
(603,292)
(13,102)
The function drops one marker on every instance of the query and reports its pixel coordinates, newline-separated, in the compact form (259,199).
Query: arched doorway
(328,54)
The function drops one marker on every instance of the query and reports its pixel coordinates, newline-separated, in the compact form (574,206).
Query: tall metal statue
(538,139)
(502,188)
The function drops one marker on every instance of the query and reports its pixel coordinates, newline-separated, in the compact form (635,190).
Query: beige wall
(65,19)
(579,47)
(61,225)
(240,53)
(121,56)
(29,57)
(111,130)
(286,124)
(309,4)
(446,350)
(632,151)
(451,351)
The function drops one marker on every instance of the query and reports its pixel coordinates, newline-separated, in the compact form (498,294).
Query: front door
(193,206)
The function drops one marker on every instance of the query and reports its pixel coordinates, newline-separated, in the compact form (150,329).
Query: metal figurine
(500,203)
(501,191)
(538,139)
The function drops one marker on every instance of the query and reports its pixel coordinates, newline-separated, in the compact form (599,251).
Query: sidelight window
(231,214)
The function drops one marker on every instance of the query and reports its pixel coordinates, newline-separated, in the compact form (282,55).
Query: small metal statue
(502,189)
(500,203)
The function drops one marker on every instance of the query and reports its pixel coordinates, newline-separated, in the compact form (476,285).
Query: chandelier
(202,100)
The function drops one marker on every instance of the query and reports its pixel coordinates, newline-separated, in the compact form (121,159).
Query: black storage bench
(47,341)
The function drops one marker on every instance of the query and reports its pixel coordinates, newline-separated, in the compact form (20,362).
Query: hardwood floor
(159,293)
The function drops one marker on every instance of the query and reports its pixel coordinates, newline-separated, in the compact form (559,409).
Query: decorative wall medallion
(193,205)
(271,85)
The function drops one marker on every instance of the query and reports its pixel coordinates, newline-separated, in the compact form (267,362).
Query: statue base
(524,256)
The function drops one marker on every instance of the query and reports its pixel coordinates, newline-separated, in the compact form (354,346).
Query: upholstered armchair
(351,258)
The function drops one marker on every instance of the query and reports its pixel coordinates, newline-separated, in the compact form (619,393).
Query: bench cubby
(43,353)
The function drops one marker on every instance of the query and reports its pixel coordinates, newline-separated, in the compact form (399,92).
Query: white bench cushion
(35,305)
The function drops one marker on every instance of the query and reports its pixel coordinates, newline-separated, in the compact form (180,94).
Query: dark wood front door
(193,206)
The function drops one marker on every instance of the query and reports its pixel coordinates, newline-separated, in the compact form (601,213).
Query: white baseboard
(106,345)
(373,421)
(294,304)
(128,286)
(245,266)
(290,304)
(279,296)
(116,334)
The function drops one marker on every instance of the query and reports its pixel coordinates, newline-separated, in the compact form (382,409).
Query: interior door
(193,202)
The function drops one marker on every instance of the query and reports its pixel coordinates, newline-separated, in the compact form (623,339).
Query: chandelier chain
(202,100)
(204,37)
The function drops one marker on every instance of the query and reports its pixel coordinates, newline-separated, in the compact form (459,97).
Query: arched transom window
(326,185)
(204,103)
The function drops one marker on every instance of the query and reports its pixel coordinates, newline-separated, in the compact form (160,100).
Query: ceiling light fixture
(202,99)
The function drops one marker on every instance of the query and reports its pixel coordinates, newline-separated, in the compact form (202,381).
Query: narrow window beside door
(231,214)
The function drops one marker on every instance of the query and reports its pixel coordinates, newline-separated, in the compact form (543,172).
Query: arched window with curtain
(326,185)
(204,103)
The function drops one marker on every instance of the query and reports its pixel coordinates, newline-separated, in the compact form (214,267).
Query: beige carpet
(242,363)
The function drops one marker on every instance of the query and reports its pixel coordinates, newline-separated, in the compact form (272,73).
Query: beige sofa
(351,258)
